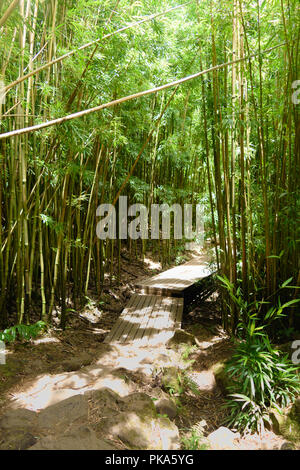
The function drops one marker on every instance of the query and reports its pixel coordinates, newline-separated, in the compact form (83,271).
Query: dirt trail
(69,389)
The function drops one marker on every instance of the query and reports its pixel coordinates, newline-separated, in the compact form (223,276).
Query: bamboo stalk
(89,44)
(140,94)
(8,12)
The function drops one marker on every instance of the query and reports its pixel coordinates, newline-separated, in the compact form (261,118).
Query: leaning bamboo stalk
(140,94)
(89,44)
(8,12)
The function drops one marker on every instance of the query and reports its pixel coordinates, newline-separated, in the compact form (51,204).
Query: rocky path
(103,396)
(96,407)
(130,398)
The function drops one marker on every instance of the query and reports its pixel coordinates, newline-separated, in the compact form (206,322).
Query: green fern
(23,332)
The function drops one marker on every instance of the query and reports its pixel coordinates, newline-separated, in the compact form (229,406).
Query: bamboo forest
(149,237)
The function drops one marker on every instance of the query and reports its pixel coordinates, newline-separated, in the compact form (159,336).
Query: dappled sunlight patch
(153,265)
(74,381)
(98,331)
(40,394)
(135,357)
(46,340)
(206,344)
(267,440)
(204,380)
(92,315)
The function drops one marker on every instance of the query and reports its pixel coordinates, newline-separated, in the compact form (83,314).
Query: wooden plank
(146,320)
(179,313)
(141,317)
(165,292)
(159,306)
(169,333)
(174,281)
(120,325)
(164,325)
(140,332)
(167,304)
(174,322)
(130,320)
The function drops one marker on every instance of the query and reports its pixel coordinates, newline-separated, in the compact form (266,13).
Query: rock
(71,364)
(140,403)
(17,429)
(51,356)
(81,438)
(18,419)
(166,406)
(116,381)
(277,420)
(104,403)
(222,379)
(287,446)
(63,414)
(105,396)
(223,439)
(161,359)
(291,428)
(171,380)
(169,434)
(26,440)
(287,424)
(296,409)
(17,439)
(204,380)
(136,424)
(134,431)
(181,337)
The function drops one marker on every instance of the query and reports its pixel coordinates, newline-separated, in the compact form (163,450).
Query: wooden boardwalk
(175,281)
(152,316)
(147,320)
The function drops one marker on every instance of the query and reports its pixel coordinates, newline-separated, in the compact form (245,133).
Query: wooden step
(174,282)
(147,320)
